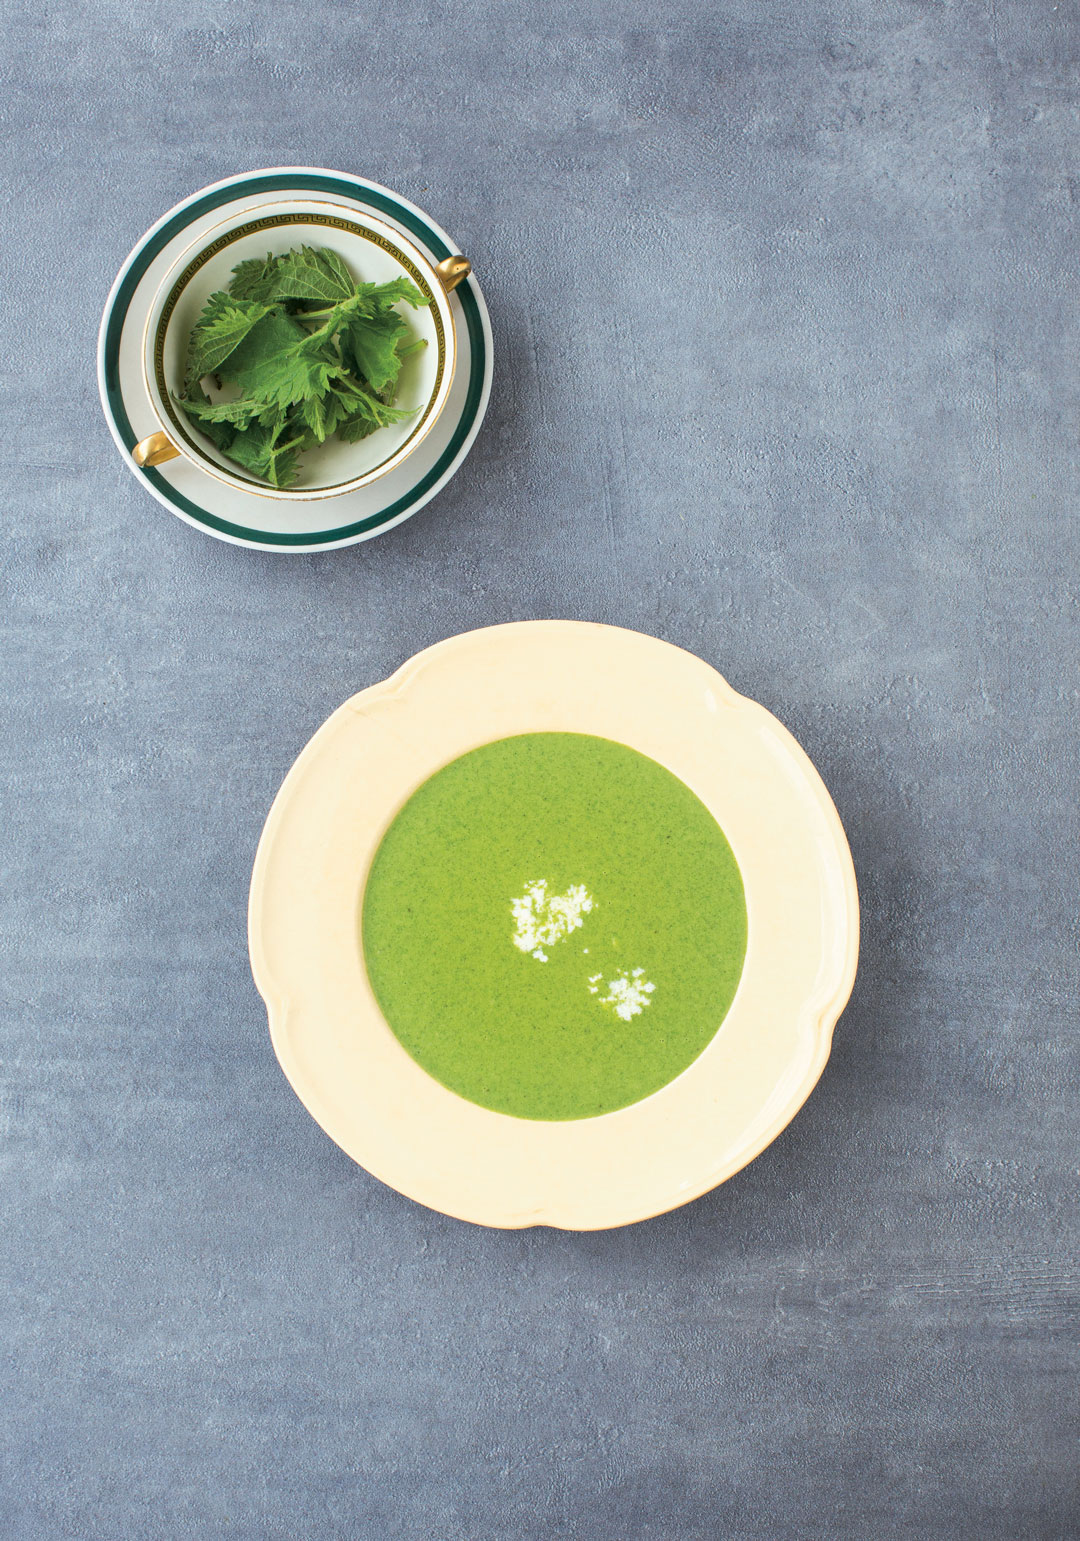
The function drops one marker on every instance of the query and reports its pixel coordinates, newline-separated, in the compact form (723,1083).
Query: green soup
(554,926)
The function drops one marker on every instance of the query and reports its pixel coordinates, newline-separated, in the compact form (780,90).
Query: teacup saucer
(238,517)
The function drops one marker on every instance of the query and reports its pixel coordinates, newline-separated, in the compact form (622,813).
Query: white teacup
(373,253)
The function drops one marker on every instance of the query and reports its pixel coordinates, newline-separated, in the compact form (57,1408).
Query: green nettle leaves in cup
(296,351)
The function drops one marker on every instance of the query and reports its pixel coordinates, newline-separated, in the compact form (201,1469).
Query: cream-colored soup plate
(347,1066)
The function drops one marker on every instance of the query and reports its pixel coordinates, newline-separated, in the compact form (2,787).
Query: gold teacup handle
(452,270)
(155,450)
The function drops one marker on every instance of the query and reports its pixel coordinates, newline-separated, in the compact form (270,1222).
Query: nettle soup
(554,926)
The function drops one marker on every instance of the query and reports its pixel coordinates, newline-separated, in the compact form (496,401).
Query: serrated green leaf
(369,345)
(223,325)
(363,411)
(251,448)
(284,467)
(270,416)
(261,451)
(253,279)
(354,428)
(331,320)
(238,413)
(335,265)
(308,274)
(321,414)
(277,363)
(211,310)
(219,433)
(382,295)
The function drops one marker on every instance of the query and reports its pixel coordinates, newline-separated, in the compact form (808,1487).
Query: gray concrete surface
(784,297)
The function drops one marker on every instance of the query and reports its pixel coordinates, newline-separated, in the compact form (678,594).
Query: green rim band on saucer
(281,182)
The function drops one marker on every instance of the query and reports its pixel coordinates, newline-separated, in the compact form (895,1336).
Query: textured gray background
(784,297)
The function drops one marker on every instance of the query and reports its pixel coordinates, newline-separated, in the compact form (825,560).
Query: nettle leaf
(254,279)
(334,264)
(397,289)
(364,412)
(285,468)
(296,378)
(331,320)
(321,414)
(369,345)
(218,432)
(308,274)
(278,363)
(259,450)
(211,310)
(358,426)
(239,413)
(224,324)
(252,448)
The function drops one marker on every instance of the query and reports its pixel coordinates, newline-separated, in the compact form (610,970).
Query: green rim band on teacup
(293,182)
